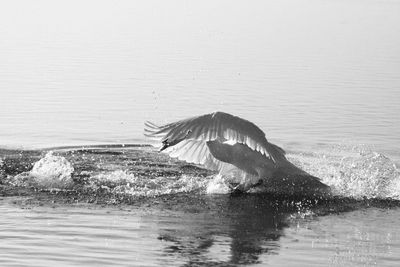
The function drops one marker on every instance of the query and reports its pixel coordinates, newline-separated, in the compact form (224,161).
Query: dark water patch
(139,175)
(99,151)
(96,147)
(196,202)
(13,162)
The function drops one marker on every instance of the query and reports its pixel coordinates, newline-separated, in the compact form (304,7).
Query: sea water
(80,186)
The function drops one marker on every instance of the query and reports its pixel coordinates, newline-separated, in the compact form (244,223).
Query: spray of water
(121,182)
(355,172)
(50,172)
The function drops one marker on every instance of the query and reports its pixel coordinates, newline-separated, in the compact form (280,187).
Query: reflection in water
(227,230)
(252,229)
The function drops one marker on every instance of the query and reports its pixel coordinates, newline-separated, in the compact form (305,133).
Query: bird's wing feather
(195,132)
(194,151)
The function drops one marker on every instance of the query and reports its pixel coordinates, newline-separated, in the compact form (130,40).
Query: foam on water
(121,182)
(356,172)
(1,168)
(50,172)
(218,185)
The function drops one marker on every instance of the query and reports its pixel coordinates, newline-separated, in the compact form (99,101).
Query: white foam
(355,171)
(52,172)
(123,182)
(1,168)
(218,186)
(116,176)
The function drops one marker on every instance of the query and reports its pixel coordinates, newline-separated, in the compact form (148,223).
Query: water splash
(50,172)
(352,172)
(218,185)
(2,174)
(356,172)
(122,182)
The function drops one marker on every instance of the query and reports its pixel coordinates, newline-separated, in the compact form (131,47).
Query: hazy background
(307,72)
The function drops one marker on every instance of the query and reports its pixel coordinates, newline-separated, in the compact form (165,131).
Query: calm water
(213,234)
(320,77)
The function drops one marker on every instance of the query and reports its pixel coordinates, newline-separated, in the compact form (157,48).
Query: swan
(237,149)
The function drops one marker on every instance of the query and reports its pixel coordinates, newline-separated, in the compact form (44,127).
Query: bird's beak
(165,145)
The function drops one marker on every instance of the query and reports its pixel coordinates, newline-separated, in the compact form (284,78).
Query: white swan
(234,146)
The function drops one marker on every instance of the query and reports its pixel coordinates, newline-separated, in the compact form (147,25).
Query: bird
(237,149)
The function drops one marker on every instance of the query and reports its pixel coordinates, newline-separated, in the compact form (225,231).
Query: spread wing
(187,139)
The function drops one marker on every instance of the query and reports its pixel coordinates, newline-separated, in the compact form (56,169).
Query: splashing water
(356,172)
(50,172)
(1,168)
(121,182)
(218,185)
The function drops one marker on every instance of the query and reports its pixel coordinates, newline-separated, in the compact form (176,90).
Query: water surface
(78,79)
(307,72)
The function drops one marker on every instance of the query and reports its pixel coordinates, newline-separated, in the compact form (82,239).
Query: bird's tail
(290,179)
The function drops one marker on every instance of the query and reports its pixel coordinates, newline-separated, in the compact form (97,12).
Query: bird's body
(232,145)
